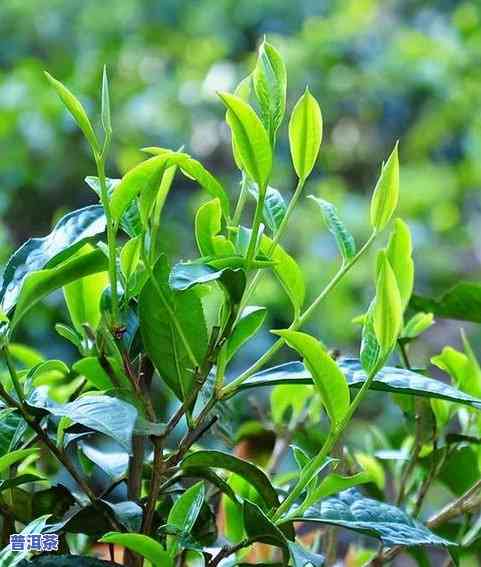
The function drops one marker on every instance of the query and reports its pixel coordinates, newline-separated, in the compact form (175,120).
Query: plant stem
(277,236)
(231,388)
(111,239)
(332,438)
(241,201)
(13,374)
(251,250)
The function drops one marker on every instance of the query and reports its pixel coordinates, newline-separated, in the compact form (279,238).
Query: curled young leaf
(386,193)
(305,134)
(105,114)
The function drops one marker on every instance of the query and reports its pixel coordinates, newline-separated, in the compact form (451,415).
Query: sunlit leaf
(386,193)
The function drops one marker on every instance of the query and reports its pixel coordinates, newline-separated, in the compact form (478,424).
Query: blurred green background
(381,70)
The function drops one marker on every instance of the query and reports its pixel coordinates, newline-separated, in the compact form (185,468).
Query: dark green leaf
(165,314)
(218,459)
(115,418)
(462,302)
(389,379)
(68,235)
(353,511)
(19,480)
(258,527)
(184,512)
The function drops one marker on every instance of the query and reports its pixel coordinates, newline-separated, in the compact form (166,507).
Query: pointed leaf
(37,285)
(353,511)
(69,234)
(328,378)
(399,253)
(251,139)
(141,544)
(389,379)
(77,111)
(184,513)
(305,134)
(260,528)
(105,114)
(248,325)
(386,193)
(218,459)
(270,83)
(166,317)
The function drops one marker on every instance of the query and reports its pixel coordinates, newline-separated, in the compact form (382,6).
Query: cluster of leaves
(140,326)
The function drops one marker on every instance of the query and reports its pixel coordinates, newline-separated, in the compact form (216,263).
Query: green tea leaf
(270,84)
(287,272)
(371,354)
(248,325)
(305,134)
(105,114)
(70,233)
(302,557)
(15,456)
(388,379)
(218,459)
(386,193)
(184,513)
(353,511)
(75,108)
(251,139)
(193,169)
(275,207)
(417,325)
(170,324)
(208,224)
(91,368)
(243,91)
(344,239)
(462,302)
(282,400)
(387,314)
(141,544)
(260,528)
(130,256)
(39,284)
(399,253)
(9,558)
(328,378)
(82,297)
(144,177)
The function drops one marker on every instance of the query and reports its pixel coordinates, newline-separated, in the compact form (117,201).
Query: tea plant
(85,452)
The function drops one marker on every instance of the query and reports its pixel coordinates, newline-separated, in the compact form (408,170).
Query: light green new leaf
(243,91)
(82,297)
(130,256)
(39,284)
(386,193)
(328,378)
(287,272)
(75,108)
(145,176)
(305,134)
(194,170)
(184,513)
(91,368)
(248,325)
(387,315)
(251,139)
(141,544)
(270,84)
(417,325)
(15,456)
(208,223)
(105,114)
(282,400)
(344,239)
(399,253)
